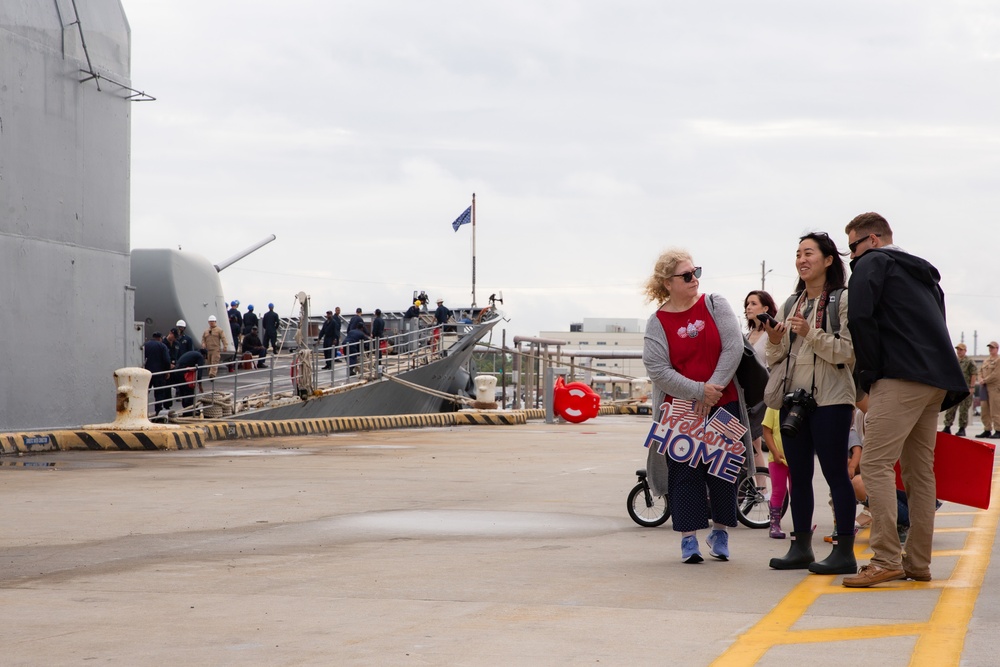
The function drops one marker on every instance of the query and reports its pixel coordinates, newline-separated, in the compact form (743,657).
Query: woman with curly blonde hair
(692,347)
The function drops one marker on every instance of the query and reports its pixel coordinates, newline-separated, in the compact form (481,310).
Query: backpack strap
(834,299)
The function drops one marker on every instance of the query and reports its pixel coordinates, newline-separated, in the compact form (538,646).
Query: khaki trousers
(901,424)
(214,357)
(989,408)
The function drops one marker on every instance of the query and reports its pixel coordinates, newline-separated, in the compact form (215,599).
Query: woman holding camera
(811,357)
(692,348)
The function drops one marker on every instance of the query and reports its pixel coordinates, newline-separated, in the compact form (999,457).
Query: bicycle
(752,493)
(646,509)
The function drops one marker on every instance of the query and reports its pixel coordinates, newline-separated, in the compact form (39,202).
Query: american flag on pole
(463,219)
(727,424)
(682,409)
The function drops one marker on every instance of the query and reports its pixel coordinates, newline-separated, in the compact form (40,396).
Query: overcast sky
(594,134)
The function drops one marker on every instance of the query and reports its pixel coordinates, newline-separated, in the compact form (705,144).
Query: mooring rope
(433,392)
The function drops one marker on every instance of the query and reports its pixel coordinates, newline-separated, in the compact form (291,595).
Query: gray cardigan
(668,382)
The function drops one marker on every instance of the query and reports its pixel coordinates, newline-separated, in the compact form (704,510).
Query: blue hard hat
(270,305)
(234,303)
(250,307)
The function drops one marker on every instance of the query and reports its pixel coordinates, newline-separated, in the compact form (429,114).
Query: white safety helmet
(212,318)
(181,323)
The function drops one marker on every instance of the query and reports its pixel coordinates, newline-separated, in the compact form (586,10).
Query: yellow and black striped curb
(47,441)
(234,430)
(631,410)
(195,436)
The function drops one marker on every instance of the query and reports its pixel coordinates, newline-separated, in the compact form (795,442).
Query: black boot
(960,432)
(800,553)
(946,429)
(841,560)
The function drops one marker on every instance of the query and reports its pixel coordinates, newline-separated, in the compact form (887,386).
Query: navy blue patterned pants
(696,495)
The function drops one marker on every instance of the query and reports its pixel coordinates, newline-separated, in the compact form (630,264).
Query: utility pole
(763,274)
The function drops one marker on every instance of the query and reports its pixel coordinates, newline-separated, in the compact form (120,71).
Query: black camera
(799,404)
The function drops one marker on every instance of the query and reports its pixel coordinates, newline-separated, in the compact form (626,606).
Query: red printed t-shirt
(695,345)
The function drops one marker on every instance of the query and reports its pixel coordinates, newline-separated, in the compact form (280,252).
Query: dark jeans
(823,435)
(161,393)
(271,338)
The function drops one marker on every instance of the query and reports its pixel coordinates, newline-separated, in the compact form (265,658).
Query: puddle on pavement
(471,523)
(218,451)
(378,447)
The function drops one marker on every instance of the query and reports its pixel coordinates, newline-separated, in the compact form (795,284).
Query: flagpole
(473,249)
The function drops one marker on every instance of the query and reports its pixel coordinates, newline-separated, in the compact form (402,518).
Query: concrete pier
(457,545)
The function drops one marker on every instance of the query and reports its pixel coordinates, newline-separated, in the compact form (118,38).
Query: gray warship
(75,296)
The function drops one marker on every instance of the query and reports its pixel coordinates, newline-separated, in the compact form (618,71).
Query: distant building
(617,352)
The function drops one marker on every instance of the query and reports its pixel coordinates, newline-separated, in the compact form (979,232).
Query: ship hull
(383,397)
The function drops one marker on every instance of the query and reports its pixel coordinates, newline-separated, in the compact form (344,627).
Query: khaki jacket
(213,340)
(831,357)
(990,372)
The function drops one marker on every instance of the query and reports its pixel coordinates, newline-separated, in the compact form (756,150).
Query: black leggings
(824,434)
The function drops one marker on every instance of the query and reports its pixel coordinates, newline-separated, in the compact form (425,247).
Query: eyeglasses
(688,276)
(854,246)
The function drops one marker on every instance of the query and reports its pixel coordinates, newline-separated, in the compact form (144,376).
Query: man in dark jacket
(442,314)
(353,343)
(184,342)
(235,321)
(357,322)
(270,323)
(378,332)
(251,344)
(156,360)
(249,320)
(904,360)
(189,369)
(327,337)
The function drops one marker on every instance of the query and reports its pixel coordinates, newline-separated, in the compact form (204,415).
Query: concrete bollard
(486,386)
(131,404)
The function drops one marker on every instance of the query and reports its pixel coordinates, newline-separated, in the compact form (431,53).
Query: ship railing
(240,385)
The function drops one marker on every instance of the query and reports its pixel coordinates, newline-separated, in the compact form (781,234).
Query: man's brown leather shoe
(869,575)
(917,577)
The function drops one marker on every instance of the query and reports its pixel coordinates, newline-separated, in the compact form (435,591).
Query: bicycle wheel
(752,507)
(648,513)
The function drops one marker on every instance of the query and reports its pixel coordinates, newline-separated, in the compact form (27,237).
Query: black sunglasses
(854,246)
(688,276)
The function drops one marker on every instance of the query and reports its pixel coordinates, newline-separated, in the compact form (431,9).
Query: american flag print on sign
(727,424)
(681,409)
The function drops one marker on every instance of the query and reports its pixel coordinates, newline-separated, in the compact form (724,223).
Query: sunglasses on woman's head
(688,276)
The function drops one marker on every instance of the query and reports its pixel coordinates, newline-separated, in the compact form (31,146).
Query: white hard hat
(212,318)
(181,323)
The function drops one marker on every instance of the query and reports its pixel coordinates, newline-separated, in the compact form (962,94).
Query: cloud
(593,135)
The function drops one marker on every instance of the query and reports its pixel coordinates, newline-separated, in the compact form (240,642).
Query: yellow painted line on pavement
(939,640)
(942,643)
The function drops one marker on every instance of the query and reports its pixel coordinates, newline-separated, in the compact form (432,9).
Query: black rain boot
(800,553)
(841,560)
